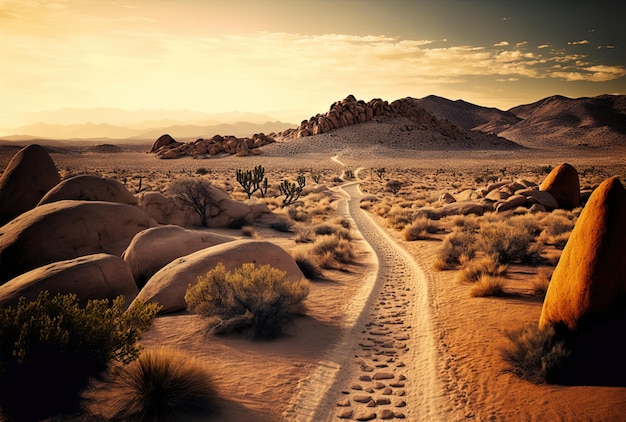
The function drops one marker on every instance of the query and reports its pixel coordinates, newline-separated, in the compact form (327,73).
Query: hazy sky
(292,59)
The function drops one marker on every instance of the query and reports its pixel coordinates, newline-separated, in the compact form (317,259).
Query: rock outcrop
(564,185)
(98,276)
(65,230)
(154,248)
(167,148)
(589,278)
(30,174)
(90,188)
(168,285)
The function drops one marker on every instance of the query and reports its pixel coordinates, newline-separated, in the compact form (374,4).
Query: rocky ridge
(167,147)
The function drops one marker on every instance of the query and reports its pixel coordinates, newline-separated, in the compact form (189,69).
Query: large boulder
(564,185)
(90,188)
(67,229)
(462,208)
(589,278)
(167,209)
(539,197)
(154,248)
(99,276)
(168,285)
(30,174)
(164,140)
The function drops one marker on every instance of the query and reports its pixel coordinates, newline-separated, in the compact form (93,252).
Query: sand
(445,365)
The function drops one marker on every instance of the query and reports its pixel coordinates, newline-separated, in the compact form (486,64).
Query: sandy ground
(446,345)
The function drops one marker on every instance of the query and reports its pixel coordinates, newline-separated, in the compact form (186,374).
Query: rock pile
(167,147)
(351,111)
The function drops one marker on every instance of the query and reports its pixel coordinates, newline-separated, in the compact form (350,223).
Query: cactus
(250,180)
(263,188)
(291,190)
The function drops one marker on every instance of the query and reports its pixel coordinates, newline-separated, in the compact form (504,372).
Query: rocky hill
(552,122)
(423,127)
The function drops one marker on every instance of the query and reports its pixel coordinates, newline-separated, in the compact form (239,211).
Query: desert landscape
(416,242)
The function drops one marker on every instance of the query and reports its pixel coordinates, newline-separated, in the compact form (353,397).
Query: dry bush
(398,217)
(555,224)
(528,222)
(282,225)
(304,235)
(329,249)
(309,267)
(534,354)
(248,231)
(381,209)
(541,281)
(488,285)
(298,213)
(509,243)
(467,222)
(458,243)
(474,270)
(343,222)
(420,228)
(259,298)
(162,385)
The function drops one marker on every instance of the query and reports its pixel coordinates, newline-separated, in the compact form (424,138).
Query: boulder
(30,174)
(446,198)
(589,278)
(154,248)
(167,209)
(169,284)
(544,198)
(511,202)
(497,195)
(563,184)
(99,276)
(65,230)
(163,141)
(90,188)
(462,208)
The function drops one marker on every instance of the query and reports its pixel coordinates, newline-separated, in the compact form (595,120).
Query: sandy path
(384,366)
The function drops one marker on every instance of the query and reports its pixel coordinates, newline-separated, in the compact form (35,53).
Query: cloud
(581,42)
(501,44)
(543,46)
(521,44)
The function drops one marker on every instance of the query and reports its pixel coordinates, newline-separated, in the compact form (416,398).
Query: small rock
(371,403)
(366,368)
(379,385)
(344,403)
(365,378)
(401,393)
(387,391)
(401,378)
(366,416)
(356,387)
(400,403)
(383,401)
(382,376)
(346,414)
(399,415)
(387,414)
(362,399)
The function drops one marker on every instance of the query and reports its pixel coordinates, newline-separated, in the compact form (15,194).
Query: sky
(292,59)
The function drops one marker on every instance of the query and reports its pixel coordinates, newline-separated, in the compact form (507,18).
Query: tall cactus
(250,180)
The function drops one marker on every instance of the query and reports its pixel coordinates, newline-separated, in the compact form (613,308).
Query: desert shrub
(474,270)
(535,354)
(399,216)
(394,186)
(308,266)
(555,224)
(430,213)
(260,299)
(162,385)
(195,193)
(509,243)
(282,225)
(529,223)
(50,347)
(325,229)
(467,222)
(340,249)
(541,281)
(298,213)
(458,243)
(487,285)
(343,222)
(304,235)
(420,228)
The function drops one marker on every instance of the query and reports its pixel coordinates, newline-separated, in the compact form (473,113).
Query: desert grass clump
(259,299)
(162,385)
(455,245)
(330,249)
(541,281)
(509,243)
(249,231)
(51,346)
(420,228)
(488,285)
(309,267)
(282,225)
(298,213)
(473,270)
(535,354)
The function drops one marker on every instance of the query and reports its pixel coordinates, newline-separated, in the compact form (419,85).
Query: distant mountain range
(553,122)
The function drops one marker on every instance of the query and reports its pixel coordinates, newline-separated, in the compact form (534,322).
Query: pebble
(387,414)
(371,403)
(396,384)
(356,387)
(387,391)
(383,376)
(346,414)
(362,399)
(344,403)
(365,378)
(366,416)
(400,403)
(383,401)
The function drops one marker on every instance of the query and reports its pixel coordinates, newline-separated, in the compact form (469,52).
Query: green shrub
(50,347)
(259,298)
(162,385)
(535,354)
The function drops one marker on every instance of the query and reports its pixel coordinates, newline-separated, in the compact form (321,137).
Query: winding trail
(385,365)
